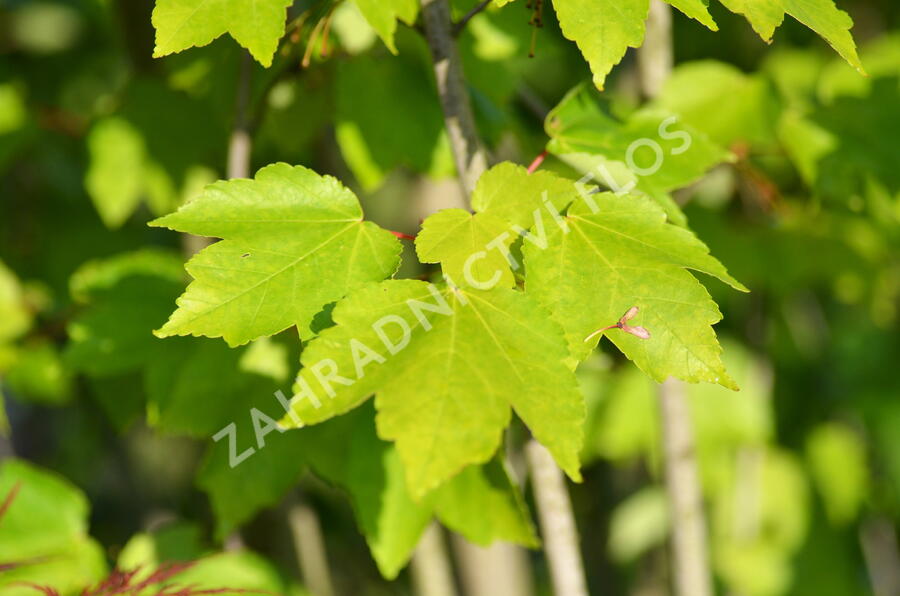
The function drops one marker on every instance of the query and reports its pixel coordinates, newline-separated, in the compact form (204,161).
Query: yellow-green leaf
(603,30)
(383,14)
(446,366)
(257,25)
(470,248)
(293,242)
(822,16)
(618,252)
(696,9)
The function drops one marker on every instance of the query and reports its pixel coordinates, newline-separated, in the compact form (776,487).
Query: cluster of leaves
(293,242)
(763,117)
(603,31)
(296,253)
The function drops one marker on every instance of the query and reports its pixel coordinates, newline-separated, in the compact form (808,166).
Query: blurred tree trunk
(882,555)
(309,545)
(431,571)
(690,559)
(558,529)
(502,569)
(468,153)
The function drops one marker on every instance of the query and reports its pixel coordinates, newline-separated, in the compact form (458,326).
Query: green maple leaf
(293,241)
(651,151)
(461,242)
(697,10)
(822,16)
(238,493)
(723,102)
(507,191)
(481,503)
(45,530)
(255,24)
(382,15)
(189,375)
(389,518)
(620,253)
(124,297)
(15,317)
(444,408)
(603,30)
(764,15)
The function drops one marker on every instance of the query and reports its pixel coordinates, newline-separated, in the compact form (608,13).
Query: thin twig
(461,24)
(655,57)
(469,155)
(558,529)
(325,31)
(882,555)
(536,163)
(309,545)
(432,575)
(10,497)
(501,569)
(690,560)
(402,236)
(554,508)
(240,144)
(311,43)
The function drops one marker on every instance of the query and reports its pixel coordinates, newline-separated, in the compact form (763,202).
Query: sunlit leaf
(293,241)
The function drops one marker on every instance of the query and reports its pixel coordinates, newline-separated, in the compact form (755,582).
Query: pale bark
(501,569)
(240,144)
(468,153)
(879,545)
(558,530)
(655,56)
(309,545)
(431,572)
(690,559)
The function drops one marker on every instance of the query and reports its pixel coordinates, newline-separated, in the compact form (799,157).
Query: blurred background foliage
(107,430)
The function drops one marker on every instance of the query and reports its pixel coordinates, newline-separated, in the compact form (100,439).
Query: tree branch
(554,508)
(469,155)
(431,571)
(461,24)
(558,530)
(240,144)
(690,563)
(501,569)
(306,532)
(655,56)
(882,555)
